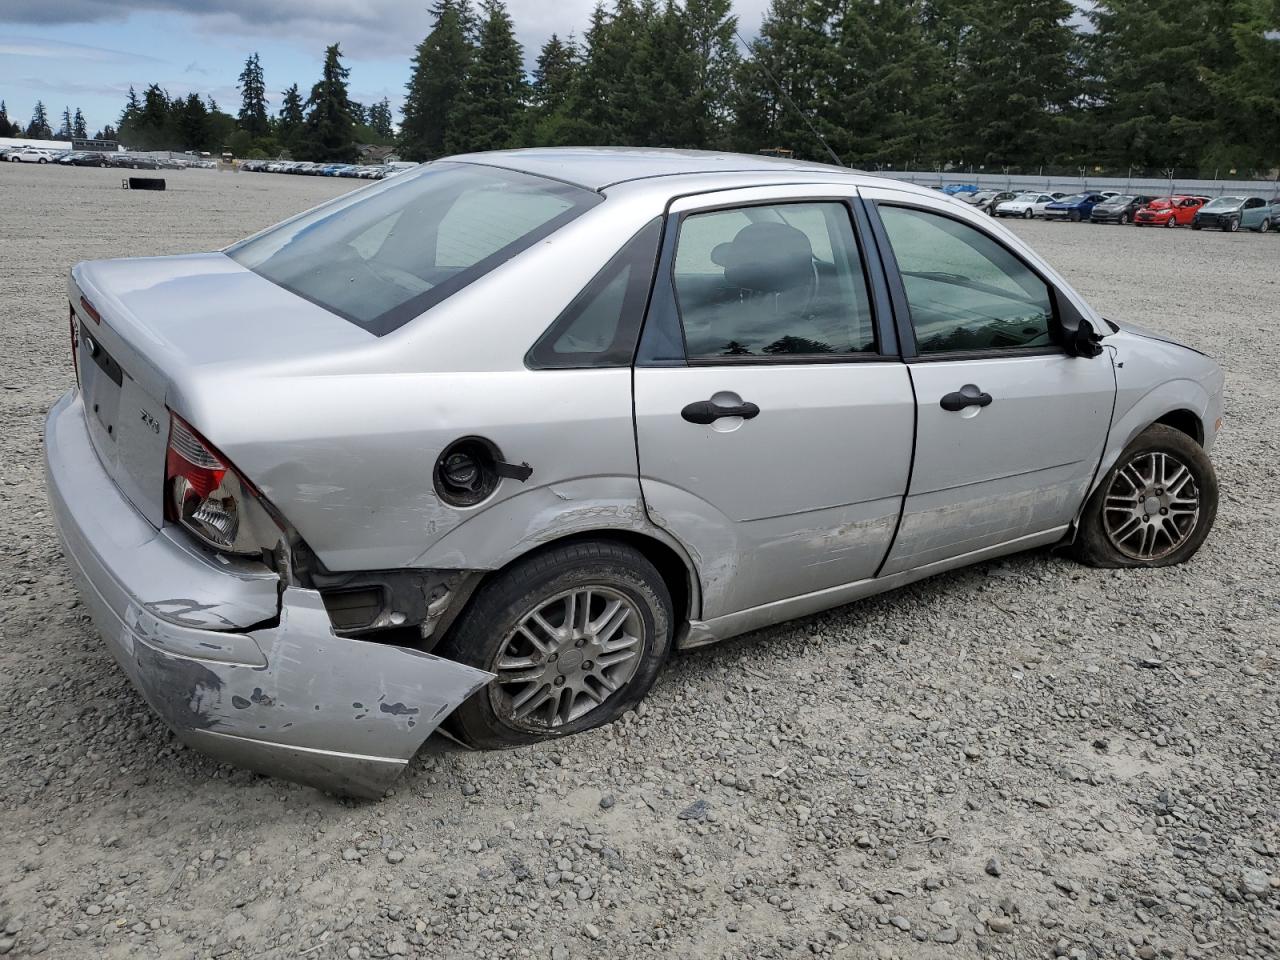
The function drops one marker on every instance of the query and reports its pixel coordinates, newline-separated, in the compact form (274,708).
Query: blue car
(951,189)
(1075,208)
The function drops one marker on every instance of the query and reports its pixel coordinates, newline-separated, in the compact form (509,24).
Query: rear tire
(1123,508)
(500,632)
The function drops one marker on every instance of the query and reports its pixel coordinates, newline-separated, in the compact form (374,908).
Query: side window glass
(965,290)
(771,281)
(599,328)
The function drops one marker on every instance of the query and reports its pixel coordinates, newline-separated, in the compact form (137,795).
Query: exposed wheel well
(1186,422)
(672,567)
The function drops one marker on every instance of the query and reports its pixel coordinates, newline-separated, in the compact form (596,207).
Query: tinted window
(965,290)
(599,328)
(772,281)
(381,256)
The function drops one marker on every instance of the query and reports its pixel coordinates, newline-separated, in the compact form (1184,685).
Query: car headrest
(766,257)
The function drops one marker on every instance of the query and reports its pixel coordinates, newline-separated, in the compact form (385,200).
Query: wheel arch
(1184,421)
(674,566)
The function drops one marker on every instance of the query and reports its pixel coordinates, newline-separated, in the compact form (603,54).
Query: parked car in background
(29,155)
(989,205)
(954,189)
(133,161)
(977,198)
(1118,209)
(1025,205)
(87,159)
(522,512)
(1075,208)
(1232,213)
(1175,211)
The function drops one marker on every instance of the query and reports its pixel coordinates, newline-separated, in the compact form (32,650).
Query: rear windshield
(380,257)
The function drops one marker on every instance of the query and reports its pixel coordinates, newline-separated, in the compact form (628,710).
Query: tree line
(968,84)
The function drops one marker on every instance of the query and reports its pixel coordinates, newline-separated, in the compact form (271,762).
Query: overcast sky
(86,53)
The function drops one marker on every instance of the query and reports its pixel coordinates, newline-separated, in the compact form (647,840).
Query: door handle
(967,396)
(706,411)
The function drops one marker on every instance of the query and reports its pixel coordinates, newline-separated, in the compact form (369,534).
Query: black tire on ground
(1232,225)
(1171,222)
(1263,227)
(1195,226)
(1028,213)
(1092,545)
(1124,218)
(500,604)
(1074,216)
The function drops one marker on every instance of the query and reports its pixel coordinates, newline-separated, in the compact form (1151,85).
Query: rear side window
(380,257)
(965,290)
(600,327)
(782,281)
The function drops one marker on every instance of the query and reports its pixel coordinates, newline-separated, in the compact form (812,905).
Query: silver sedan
(483,443)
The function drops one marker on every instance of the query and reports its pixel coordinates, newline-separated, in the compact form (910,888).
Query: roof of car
(599,167)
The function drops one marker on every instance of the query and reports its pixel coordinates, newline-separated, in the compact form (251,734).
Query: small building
(376,153)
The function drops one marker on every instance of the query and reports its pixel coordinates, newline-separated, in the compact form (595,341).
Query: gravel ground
(1025,759)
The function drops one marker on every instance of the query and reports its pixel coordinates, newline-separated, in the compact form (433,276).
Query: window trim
(878,300)
(902,308)
(637,256)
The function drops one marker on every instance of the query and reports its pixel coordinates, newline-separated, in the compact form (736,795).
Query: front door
(773,417)
(1010,427)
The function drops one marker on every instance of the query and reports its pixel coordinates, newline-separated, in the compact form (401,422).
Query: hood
(1146,334)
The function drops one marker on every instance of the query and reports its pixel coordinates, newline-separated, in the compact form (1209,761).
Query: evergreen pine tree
(488,112)
(78,128)
(38,128)
(291,117)
(380,119)
(131,110)
(793,40)
(327,130)
(440,65)
(253,99)
(192,122)
(64,129)
(708,46)
(7,128)
(883,82)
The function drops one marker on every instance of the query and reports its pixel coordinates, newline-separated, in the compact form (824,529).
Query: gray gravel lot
(1025,759)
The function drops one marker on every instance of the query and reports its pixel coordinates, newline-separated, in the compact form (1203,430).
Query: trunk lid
(146,324)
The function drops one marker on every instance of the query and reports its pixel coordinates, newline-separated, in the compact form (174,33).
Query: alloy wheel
(567,656)
(1151,507)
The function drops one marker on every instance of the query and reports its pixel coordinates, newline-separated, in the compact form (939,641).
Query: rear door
(1010,428)
(774,419)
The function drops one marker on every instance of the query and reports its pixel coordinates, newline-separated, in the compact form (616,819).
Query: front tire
(1171,223)
(1028,214)
(1074,216)
(1154,508)
(576,635)
(1232,226)
(1124,219)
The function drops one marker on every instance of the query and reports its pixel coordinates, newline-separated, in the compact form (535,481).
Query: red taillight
(206,495)
(191,460)
(75,343)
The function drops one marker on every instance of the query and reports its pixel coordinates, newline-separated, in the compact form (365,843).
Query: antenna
(791,103)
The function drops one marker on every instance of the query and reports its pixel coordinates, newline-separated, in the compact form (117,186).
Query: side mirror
(1085,341)
(1079,338)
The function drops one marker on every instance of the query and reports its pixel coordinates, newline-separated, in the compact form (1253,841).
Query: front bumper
(236,668)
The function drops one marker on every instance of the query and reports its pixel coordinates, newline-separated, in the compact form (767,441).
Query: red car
(1169,212)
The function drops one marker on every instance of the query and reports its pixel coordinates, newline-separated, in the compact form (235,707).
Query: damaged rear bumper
(288,698)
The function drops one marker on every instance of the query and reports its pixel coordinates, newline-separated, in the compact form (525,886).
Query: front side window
(779,281)
(965,291)
(381,256)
